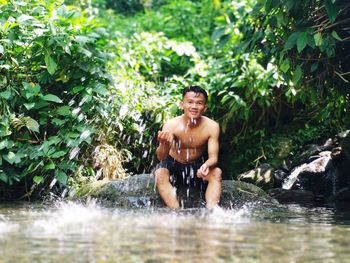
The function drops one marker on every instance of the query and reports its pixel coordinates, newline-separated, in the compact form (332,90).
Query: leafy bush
(52,75)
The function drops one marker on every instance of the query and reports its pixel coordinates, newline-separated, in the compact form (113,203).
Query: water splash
(7,227)
(68,218)
(290,180)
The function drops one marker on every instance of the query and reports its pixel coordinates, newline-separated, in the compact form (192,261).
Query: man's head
(194,102)
(196,89)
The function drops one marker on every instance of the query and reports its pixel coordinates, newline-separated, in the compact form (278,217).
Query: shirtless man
(188,151)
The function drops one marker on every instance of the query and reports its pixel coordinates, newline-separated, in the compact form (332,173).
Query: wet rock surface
(139,191)
(319,175)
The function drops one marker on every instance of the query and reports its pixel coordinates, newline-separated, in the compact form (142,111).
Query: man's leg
(165,189)
(213,192)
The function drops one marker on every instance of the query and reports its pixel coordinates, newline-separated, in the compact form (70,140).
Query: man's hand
(165,138)
(203,171)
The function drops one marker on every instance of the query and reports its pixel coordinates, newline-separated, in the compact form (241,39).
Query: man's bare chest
(190,138)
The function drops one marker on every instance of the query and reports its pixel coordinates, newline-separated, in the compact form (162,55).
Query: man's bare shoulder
(172,123)
(210,123)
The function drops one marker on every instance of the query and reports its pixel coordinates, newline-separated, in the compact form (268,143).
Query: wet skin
(186,138)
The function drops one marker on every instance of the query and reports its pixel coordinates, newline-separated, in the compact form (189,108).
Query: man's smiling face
(193,105)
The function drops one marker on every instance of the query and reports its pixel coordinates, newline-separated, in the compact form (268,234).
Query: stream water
(74,232)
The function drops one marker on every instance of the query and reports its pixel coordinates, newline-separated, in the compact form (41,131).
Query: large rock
(140,191)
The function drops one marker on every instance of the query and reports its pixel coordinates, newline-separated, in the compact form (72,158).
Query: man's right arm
(165,138)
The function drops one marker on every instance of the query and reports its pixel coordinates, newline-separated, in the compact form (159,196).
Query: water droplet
(98,174)
(123,110)
(145,154)
(76,111)
(74,152)
(53,182)
(191,172)
(84,135)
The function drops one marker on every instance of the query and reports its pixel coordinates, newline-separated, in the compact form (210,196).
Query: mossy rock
(139,191)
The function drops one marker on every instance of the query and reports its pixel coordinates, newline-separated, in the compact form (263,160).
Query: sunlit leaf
(49,166)
(5,94)
(58,154)
(318,39)
(64,110)
(32,124)
(12,158)
(53,98)
(50,64)
(38,179)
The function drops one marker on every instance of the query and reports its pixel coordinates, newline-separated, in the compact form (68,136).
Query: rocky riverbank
(139,191)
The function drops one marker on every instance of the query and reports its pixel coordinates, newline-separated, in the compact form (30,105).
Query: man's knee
(216,174)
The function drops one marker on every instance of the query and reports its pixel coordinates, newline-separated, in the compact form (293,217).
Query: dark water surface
(74,232)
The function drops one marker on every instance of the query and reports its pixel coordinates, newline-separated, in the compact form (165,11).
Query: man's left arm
(213,151)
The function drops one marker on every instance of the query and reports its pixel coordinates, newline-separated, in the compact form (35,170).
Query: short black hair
(195,89)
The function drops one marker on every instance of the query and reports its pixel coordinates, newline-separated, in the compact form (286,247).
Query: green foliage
(73,76)
(52,74)
(180,20)
(139,100)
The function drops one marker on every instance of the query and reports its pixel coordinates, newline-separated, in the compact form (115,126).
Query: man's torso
(191,141)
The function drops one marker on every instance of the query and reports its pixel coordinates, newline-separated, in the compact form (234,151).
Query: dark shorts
(184,174)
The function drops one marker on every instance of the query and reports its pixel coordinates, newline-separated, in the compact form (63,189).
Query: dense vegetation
(81,81)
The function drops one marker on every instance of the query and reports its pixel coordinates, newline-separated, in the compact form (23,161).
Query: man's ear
(181,105)
(205,107)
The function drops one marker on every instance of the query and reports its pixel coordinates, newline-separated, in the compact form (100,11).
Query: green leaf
(53,98)
(314,67)
(32,124)
(12,158)
(270,4)
(29,105)
(58,122)
(291,41)
(1,49)
(50,64)
(285,65)
(4,177)
(3,144)
(77,89)
(58,154)
(49,166)
(332,10)
(5,94)
(218,33)
(38,179)
(297,75)
(318,39)
(302,41)
(61,176)
(336,36)
(224,40)
(64,110)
